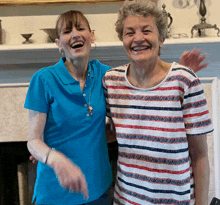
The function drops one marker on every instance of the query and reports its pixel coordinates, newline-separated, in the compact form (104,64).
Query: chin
(139,59)
(79,55)
(144,58)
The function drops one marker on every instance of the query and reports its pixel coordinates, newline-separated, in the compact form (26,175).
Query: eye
(81,28)
(146,31)
(130,33)
(66,31)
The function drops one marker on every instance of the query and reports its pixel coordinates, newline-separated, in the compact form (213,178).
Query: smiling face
(141,38)
(75,40)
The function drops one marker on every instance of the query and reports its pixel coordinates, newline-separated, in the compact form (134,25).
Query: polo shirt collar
(64,74)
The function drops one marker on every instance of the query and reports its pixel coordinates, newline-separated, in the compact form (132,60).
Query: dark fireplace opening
(11,155)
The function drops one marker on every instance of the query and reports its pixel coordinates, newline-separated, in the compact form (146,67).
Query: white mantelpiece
(110,51)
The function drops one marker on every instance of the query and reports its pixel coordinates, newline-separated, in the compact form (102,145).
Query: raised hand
(193,59)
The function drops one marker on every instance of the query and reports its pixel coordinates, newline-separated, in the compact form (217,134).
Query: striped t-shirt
(152,126)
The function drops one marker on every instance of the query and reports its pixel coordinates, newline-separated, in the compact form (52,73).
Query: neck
(147,75)
(77,68)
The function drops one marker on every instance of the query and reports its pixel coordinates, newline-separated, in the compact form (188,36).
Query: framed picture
(29,2)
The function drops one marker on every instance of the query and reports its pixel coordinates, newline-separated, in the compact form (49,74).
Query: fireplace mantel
(109,51)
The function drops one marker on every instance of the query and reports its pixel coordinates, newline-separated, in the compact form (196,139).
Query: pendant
(90,109)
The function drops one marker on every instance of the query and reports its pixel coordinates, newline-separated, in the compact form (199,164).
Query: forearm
(38,149)
(68,174)
(201,171)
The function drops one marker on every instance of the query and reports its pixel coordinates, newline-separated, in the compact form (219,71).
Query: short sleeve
(37,97)
(195,110)
(103,68)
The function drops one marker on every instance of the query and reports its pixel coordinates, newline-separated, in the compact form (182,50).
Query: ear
(58,42)
(161,41)
(92,36)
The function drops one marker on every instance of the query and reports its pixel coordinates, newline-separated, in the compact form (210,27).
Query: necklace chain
(90,108)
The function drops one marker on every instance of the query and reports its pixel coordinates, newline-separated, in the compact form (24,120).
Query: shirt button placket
(84,95)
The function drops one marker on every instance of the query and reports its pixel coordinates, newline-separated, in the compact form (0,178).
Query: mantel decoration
(27,38)
(51,32)
(169,18)
(203,24)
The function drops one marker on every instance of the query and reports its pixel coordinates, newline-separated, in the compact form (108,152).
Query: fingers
(202,58)
(194,54)
(80,186)
(193,59)
(84,189)
(75,183)
(204,65)
(184,57)
(32,159)
(70,176)
(74,188)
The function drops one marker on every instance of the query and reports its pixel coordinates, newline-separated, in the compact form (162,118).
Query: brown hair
(69,19)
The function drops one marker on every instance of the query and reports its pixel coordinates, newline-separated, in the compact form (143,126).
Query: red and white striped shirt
(152,126)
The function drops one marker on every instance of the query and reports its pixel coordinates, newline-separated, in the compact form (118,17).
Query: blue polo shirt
(71,129)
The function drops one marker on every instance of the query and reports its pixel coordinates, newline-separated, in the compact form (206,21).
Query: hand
(69,175)
(193,60)
(33,160)
(110,130)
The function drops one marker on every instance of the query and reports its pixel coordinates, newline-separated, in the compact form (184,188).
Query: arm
(35,144)
(199,154)
(193,60)
(68,174)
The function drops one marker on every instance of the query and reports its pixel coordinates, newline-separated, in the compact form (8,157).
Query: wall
(29,19)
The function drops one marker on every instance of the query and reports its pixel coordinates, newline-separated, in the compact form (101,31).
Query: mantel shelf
(104,51)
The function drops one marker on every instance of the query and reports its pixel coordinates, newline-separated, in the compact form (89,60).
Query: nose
(75,33)
(139,36)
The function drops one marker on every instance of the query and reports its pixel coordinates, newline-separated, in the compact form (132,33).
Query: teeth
(77,44)
(139,48)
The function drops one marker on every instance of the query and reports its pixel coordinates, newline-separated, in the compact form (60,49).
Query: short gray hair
(141,8)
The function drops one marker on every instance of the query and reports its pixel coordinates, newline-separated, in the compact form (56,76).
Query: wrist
(46,157)
(54,158)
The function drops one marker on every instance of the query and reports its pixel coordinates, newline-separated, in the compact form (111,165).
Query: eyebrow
(146,26)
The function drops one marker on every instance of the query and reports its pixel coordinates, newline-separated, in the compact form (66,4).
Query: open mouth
(77,45)
(140,48)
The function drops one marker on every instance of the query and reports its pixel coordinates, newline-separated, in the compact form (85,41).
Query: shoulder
(183,74)
(45,73)
(99,66)
(117,71)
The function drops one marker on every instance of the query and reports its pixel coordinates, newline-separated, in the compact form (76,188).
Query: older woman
(160,115)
